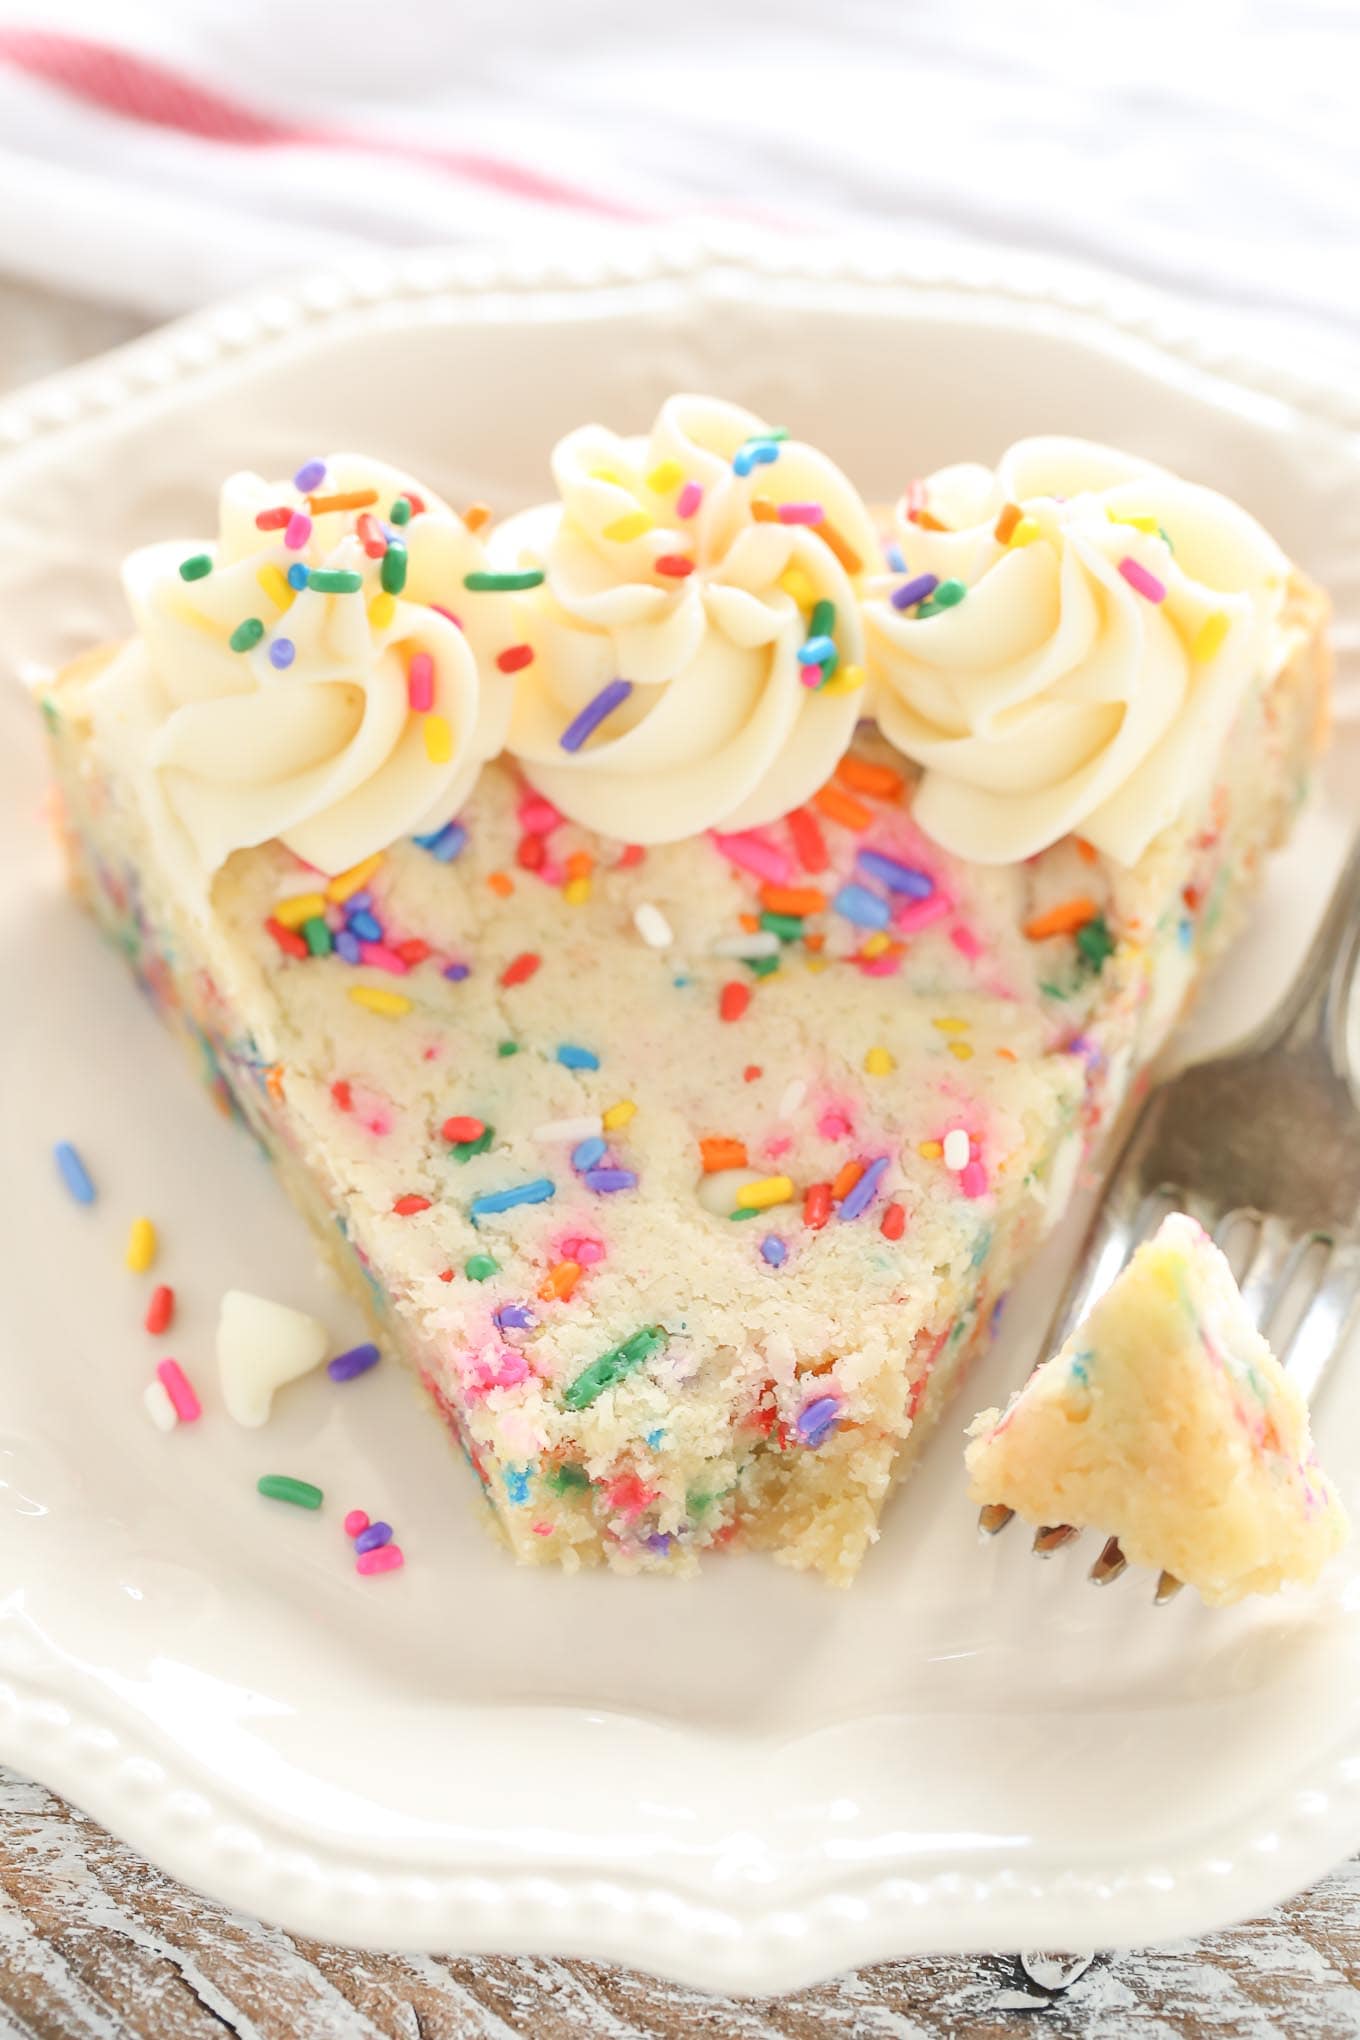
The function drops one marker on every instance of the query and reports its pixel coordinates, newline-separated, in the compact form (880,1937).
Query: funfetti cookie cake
(677,946)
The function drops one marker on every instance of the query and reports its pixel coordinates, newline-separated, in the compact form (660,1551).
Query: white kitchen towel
(159,154)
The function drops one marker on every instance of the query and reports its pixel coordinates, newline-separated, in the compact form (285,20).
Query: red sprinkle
(733,1001)
(446,1274)
(893,1223)
(530,852)
(160,1310)
(371,536)
(461,1128)
(816,1205)
(342,1094)
(273,520)
(514,657)
(521,968)
(631,854)
(808,841)
(413,951)
(408,1206)
(288,939)
(752,1071)
(675,565)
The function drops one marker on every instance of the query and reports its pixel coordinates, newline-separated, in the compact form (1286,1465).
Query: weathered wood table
(97,1945)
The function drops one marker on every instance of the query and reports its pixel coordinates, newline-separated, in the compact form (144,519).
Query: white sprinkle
(158,1406)
(956,1149)
(653,926)
(794,1094)
(762,943)
(570,1129)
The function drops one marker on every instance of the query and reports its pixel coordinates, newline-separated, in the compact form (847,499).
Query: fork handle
(1314,1012)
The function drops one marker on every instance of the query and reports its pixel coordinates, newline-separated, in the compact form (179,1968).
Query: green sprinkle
(400,513)
(246,635)
(503,584)
(464,1150)
(394,569)
(696,1502)
(762,966)
(1095,943)
(281,1487)
(1051,991)
(334,581)
(822,621)
(480,1268)
(564,1478)
(317,935)
(788,927)
(196,567)
(504,1048)
(744,1212)
(611,1367)
(51,714)
(948,594)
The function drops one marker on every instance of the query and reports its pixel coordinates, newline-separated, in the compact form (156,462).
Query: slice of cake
(1167,1421)
(545,899)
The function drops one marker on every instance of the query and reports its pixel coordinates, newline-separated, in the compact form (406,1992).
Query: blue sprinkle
(898,877)
(347,946)
(282,652)
(446,843)
(653,1438)
(896,559)
(773,1250)
(912,592)
(607,1180)
(514,1317)
(815,651)
(859,1197)
(588,1152)
(310,476)
(365,927)
(538,1191)
(517,1483)
(861,906)
(818,1419)
(74,1173)
(456,972)
(596,711)
(357,1360)
(573,1058)
(374,1538)
(297,576)
(1185,932)
(755,453)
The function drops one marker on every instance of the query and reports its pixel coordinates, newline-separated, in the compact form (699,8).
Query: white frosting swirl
(717,728)
(327,752)
(1058,694)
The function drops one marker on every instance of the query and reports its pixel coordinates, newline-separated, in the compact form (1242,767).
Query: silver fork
(1262,1146)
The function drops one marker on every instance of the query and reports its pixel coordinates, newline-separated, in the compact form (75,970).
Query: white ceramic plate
(747,1781)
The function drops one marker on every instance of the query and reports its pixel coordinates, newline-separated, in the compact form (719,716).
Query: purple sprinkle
(282,652)
(359,901)
(816,1420)
(912,592)
(456,972)
(310,475)
(898,877)
(861,906)
(594,713)
(773,1250)
(660,1540)
(347,945)
(588,1153)
(358,1360)
(861,1195)
(607,1180)
(373,1539)
(514,1317)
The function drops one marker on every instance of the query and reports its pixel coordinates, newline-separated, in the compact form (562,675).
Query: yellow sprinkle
(816,964)
(195,619)
(141,1246)
(879,1063)
(766,1191)
(665,476)
(845,681)
(930,1150)
(381,609)
(303,906)
(576,891)
(607,475)
(631,525)
(1140,523)
(1025,532)
(438,739)
(618,1115)
(352,881)
(875,944)
(1210,635)
(275,585)
(951,1026)
(796,581)
(962,1050)
(392,1004)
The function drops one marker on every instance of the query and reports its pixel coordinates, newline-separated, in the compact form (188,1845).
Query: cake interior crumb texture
(688,1198)
(1167,1421)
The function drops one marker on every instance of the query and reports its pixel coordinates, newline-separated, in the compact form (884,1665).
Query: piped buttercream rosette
(699,649)
(1063,644)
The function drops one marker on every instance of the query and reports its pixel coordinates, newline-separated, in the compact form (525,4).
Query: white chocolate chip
(570,1129)
(158,1406)
(653,926)
(794,1094)
(956,1149)
(260,1346)
(759,943)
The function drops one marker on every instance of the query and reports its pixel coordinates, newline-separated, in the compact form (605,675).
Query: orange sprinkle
(842,807)
(580,864)
(560,1280)
(808,841)
(501,884)
(792,899)
(814,944)
(764,510)
(750,922)
(346,499)
(476,515)
(927,520)
(845,1179)
(841,547)
(1006,1054)
(273,1082)
(881,781)
(1087,852)
(1006,523)
(1064,919)
(720,1152)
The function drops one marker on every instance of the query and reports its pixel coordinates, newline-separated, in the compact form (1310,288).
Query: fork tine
(1110,1564)
(1267,1272)
(1321,1331)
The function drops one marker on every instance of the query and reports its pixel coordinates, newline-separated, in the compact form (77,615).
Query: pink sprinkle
(965,941)
(542,1529)
(551,872)
(585,1251)
(913,915)
(779,1145)
(383,958)
(176,1385)
(973,1180)
(833,1126)
(886,965)
(420,682)
(355,1521)
(1138,577)
(298,532)
(754,853)
(387,1558)
(440,610)
(537,817)
(800,513)
(811,676)
(689,499)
